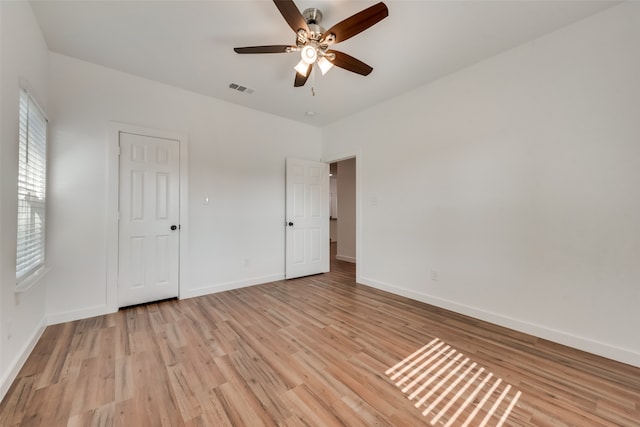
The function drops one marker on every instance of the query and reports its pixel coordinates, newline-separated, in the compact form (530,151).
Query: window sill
(33,279)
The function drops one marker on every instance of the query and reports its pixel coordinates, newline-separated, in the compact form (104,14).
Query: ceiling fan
(313,41)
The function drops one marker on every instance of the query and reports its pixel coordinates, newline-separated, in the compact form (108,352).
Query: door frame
(113,197)
(357,154)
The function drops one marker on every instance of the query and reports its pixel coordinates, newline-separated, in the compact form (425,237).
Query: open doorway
(343,209)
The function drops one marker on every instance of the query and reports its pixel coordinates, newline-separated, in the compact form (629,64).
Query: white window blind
(32,183)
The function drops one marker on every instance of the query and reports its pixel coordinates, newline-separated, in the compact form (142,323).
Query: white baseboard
(100,310)
(14,368)
(85,313)
(581,343)
(346,258)
(221,287)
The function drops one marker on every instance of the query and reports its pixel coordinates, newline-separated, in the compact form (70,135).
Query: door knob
(290,224)
(174,227)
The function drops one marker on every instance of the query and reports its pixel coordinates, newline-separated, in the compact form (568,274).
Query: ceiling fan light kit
(302,68)
(309,54)
(313,41)
(324,64)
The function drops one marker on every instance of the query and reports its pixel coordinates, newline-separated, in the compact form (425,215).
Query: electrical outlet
(247,262)
(434,275)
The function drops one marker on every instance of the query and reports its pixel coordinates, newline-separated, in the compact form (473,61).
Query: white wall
(24,62)
(516,182)
(236,159)
(346,230)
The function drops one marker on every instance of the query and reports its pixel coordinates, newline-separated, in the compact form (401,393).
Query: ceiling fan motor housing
(312,15)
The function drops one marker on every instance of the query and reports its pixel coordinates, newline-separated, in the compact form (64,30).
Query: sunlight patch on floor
(450,388)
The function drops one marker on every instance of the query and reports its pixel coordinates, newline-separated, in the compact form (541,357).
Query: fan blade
(262,49)
(350,63)
(300,79)
(357,23)
(292,15)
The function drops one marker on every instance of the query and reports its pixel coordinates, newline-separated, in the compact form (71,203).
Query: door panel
(149,206)
(307,235)
(162,196)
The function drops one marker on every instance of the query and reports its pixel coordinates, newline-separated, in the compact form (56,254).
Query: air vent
(241,88)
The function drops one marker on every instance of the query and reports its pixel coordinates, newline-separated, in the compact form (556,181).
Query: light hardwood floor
(314,351)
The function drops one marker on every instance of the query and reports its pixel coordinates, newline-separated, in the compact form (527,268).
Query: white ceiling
(189,44)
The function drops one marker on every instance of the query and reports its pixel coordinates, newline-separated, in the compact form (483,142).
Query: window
(32,177)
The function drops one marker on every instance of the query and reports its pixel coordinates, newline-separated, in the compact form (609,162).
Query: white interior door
(149,219)
(307,221)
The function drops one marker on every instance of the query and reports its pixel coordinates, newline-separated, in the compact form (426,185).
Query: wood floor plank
(51,353)
(16,403)
(239,406)
(102,416)
(307,352)
(367,413)
(309,409)
(49,406)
